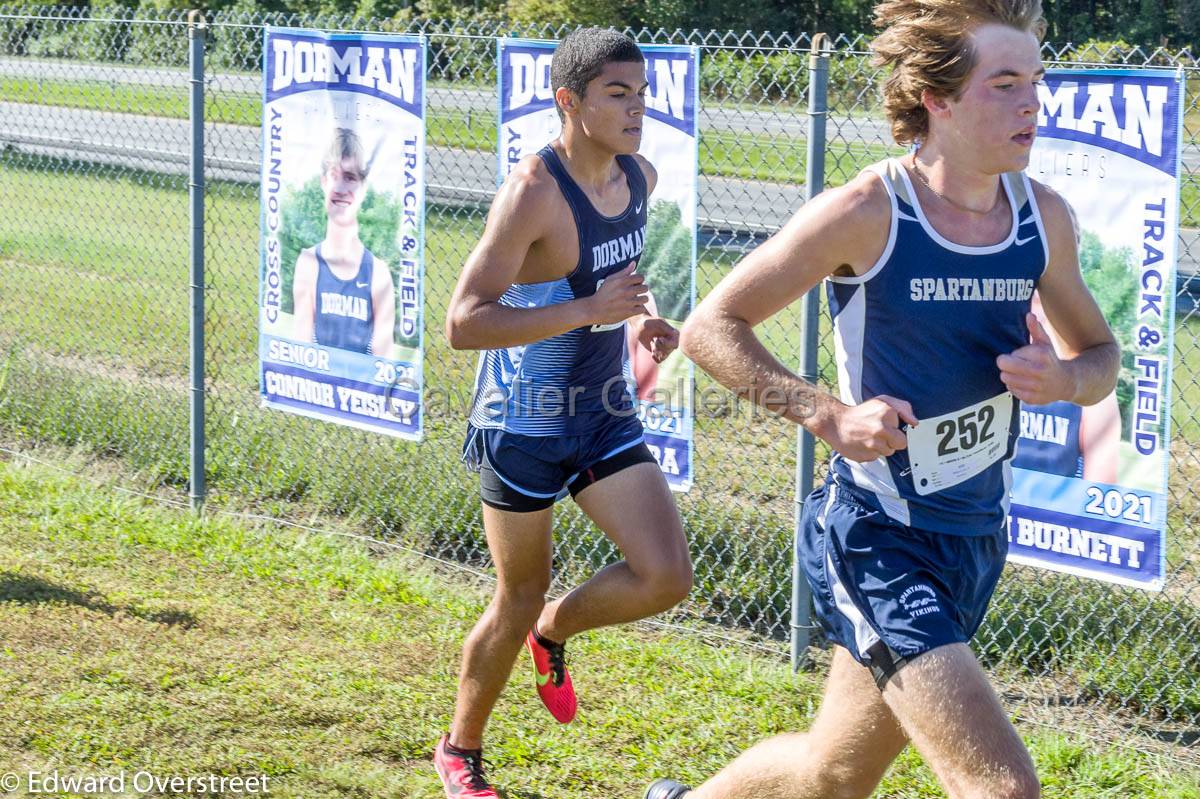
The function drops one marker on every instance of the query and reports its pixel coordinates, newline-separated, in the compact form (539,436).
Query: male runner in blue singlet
(547,295)
(343,295)
(931,261)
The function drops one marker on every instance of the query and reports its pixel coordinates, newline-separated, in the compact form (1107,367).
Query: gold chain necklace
(958,205)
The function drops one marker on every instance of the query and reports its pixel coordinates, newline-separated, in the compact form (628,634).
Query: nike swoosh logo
(1025,240)
(361,285)
(638,210)
(542,679)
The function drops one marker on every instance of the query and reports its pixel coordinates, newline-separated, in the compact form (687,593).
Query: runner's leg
(520,544)
(844,754)
(635,510)
(948,708)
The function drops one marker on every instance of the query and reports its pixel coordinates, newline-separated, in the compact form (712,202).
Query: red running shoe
(553,682)
(461,771)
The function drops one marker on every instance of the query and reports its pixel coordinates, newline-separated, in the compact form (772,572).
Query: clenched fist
(1034,373)
(618,297)
(872,430)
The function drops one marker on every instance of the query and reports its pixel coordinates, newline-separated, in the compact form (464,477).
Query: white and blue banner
(342,247)
(528,121)
(1090,488)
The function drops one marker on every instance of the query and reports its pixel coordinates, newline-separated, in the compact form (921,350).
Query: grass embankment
(138,637)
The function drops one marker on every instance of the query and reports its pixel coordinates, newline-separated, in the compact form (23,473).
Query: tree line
(1147,23)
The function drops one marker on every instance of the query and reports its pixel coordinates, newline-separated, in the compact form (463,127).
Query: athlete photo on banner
(1089,490)
(666,253)
(343,196)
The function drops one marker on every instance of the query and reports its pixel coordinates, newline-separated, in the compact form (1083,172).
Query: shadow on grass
(1164,731)
(1179,737)
(25,590)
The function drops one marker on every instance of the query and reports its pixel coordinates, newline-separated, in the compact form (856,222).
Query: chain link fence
(94,309)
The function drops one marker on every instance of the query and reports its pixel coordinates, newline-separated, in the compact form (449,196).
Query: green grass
(112,374)
(100,363)
(137,637)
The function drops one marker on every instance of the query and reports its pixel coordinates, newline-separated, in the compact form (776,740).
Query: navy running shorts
(888,592)
(522,473)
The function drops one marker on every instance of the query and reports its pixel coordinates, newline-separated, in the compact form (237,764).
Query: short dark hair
(582,54)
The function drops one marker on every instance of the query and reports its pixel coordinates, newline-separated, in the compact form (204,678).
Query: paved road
(459,97)
(843,130)
(733,212)
(769,119)
(234,152)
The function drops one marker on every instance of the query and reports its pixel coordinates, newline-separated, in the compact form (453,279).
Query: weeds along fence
(94,310)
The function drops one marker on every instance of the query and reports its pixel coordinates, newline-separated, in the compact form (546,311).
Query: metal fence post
(818,85)
(197,28)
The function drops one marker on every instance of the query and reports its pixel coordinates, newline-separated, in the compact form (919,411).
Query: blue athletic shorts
(888,592)
(523,473)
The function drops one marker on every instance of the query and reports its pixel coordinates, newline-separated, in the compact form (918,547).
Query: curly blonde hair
(928,45)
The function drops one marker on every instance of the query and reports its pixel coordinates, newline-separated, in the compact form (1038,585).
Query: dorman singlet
(567,384)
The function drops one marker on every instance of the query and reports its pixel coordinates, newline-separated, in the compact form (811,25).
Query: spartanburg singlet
(571,383)
(925,324)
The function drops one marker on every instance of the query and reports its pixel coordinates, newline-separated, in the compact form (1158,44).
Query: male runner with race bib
(931,261)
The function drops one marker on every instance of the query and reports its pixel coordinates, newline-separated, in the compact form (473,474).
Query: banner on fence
(343,195)
(1090,484)
(528,120)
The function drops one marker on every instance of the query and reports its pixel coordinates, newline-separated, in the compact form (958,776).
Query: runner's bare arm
(842,229)
(525,209)
(304,297)
(1087,372)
